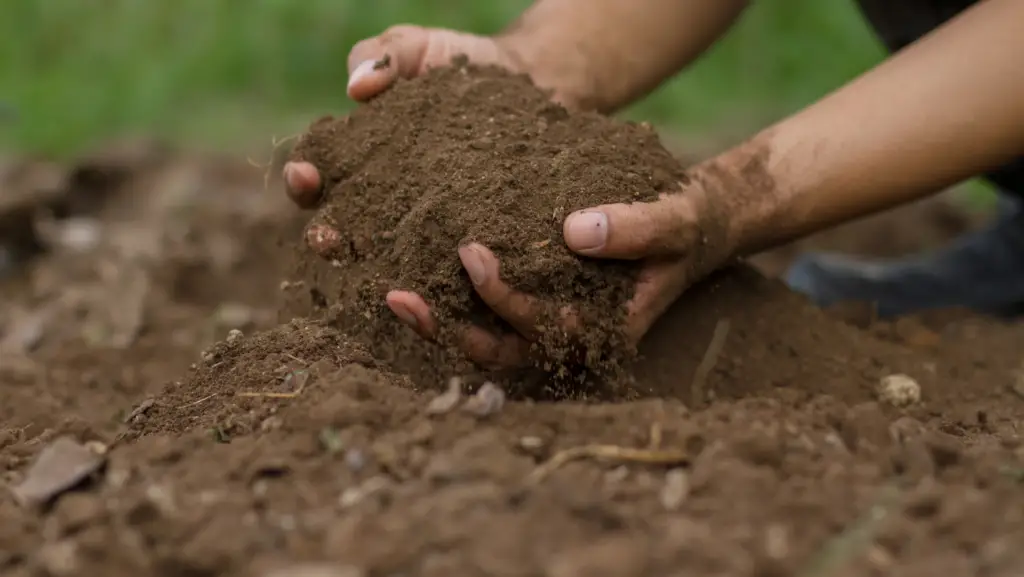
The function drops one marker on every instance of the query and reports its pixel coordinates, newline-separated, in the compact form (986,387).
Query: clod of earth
(475,154)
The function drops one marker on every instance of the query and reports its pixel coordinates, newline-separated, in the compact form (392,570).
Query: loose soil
(467,154)
(158,319)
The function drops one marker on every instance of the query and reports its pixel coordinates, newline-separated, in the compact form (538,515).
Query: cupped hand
(375,63)
(665,234)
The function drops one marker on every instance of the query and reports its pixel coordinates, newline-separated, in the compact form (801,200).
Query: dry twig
(197,402)
(608,452)
(302,376)
(700,376)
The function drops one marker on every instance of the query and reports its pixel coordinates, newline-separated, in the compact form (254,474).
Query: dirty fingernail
(402,312)
(365,67)
(586,230)
(473,264)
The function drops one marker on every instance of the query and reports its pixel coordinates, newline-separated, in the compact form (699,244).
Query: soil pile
(286,450)
(475,154)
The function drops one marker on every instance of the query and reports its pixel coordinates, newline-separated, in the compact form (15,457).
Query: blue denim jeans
(982,270)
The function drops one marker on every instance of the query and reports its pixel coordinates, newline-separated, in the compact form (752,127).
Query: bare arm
(946,108)
(604,54)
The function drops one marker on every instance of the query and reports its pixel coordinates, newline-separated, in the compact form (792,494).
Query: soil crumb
(476,154)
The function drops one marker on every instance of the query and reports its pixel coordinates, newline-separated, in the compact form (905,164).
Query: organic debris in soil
(476,154)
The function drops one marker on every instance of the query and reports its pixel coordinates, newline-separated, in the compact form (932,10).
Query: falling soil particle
(468,154)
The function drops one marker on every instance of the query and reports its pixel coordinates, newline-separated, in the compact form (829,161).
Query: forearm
(604,54)
(945,109)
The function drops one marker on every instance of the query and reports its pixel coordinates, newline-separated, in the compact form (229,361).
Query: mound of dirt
(236,377)
(467,154)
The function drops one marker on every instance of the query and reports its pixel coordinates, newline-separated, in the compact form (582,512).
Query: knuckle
(398,32)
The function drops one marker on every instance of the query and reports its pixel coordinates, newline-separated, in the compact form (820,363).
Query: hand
(375,63)
(666,234)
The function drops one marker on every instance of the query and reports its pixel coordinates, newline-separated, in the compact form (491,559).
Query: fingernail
(365,67)
(474,264)
(586,230)
(402,312)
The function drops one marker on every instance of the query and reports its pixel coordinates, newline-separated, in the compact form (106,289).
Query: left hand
(667,235)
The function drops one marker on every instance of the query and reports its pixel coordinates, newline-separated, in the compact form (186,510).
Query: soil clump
(475,154)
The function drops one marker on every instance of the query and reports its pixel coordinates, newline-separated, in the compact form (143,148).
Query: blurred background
(224,74)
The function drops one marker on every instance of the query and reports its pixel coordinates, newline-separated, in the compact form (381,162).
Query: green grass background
(224,73)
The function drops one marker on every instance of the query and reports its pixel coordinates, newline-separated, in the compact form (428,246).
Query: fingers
(521,311)
(666,227)
(658,286)
(480,346)
(303,183)
(375,63)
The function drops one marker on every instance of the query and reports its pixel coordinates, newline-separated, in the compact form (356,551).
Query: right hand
(375,63)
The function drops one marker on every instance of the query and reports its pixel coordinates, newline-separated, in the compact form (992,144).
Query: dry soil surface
(179,396)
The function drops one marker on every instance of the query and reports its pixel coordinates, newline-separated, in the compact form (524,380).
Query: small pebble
(675,490)
(448,400)
(233,335)
(488,400)
(531,444)
(899,390)
(355,460)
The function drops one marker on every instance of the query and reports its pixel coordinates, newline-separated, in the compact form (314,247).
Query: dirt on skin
(467,154)
(235,444)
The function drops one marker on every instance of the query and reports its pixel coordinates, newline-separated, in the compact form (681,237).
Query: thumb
(375,63)
(666,227)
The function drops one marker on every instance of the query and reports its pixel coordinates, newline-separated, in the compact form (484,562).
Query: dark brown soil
(467,154)
(289,446)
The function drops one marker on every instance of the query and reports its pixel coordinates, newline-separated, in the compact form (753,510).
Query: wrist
(711,237)
(528,52)
(741,199)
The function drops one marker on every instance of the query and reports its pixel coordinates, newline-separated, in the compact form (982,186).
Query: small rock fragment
(355,460)
(675,490)
(899,390)
(233,335)
(532,445)
(139,410)
(448,400)
(97,447)
(353,495)
(488,400)
(60,467)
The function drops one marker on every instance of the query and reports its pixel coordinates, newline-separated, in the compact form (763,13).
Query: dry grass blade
(268,166)
(301,376)
(700,376)
(611,453)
